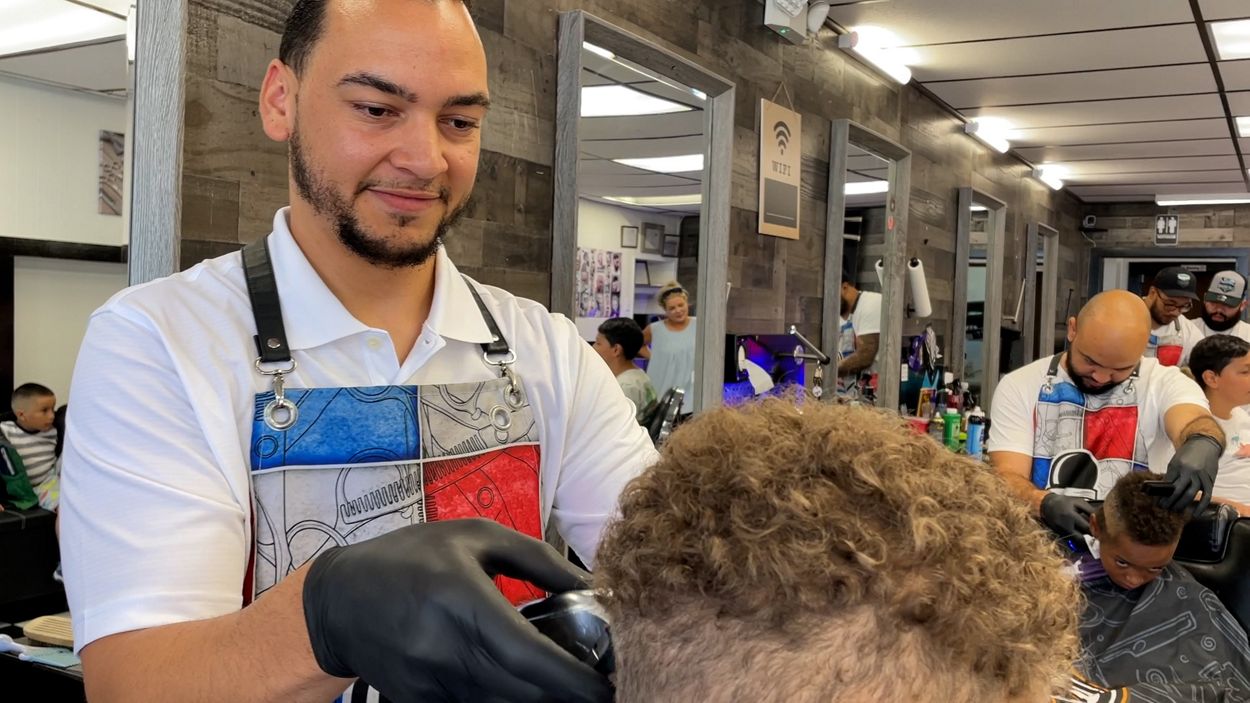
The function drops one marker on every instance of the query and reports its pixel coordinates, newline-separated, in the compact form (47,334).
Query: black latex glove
(416,615)
(1193,469)
(1066,515)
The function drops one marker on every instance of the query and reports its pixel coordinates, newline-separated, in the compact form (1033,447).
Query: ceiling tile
(1123,83)
(1105,112)
(1236,74)
(642,148)
(1124,48)
(91,67)
(1239,102)
(930,21)
(1151,190)
(642,126)
(1226,176)
(1191,163)
(1224,9)
(1201,147)
(1184,129)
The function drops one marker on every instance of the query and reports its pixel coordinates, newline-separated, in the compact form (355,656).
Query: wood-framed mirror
(643,168)
(870,178)
(979,245)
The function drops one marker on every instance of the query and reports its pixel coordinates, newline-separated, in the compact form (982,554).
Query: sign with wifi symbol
(781,170)
(781,130)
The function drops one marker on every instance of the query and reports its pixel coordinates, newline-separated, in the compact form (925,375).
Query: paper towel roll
(880,267)
(919,289)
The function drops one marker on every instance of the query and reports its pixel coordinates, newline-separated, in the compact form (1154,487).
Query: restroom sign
(1167,230)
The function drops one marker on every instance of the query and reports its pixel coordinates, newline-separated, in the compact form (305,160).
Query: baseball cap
(1176,282)
(1227,288)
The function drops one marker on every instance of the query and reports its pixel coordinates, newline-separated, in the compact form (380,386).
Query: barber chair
(662,419)
(1215,547)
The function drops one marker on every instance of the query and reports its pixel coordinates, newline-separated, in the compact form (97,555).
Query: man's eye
(374,111)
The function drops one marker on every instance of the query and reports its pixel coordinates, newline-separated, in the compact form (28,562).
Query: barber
(860,334)
(269,451)
(1064,428)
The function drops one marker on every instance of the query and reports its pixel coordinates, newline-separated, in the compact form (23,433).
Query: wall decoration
(598,283)
(672,245)
(642,274)
(629,237)
(781,134)
(652,238)
(112,151)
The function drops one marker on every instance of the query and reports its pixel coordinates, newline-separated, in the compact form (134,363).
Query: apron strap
(498,346)
(1054,366)
(262,291)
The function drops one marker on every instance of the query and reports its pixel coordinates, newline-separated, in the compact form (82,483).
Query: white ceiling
(603,139)
(78,45)
(1120,92)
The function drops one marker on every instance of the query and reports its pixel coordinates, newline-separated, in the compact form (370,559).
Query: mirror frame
(993,320)
(1038,343)
(893,298)
(577,27)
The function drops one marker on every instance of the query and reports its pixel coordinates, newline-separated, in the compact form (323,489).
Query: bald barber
(1064,428)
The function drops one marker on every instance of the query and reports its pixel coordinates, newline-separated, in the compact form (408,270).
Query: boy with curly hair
(825,553)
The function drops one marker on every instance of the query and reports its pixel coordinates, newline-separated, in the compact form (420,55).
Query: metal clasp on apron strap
(1053,371)
(498,353)
(280,413)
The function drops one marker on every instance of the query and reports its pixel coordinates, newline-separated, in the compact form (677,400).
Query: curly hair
(820,552)
(1129,509)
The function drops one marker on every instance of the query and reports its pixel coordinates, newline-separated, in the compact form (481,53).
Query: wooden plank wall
(234,178)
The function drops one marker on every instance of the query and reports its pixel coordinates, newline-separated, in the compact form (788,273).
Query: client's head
(827,553)
(1136,537)
(1221,366)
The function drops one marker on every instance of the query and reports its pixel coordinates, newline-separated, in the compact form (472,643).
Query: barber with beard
(1222,306)
(1065,427)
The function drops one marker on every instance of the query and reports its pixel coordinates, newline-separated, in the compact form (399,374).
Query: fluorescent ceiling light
(595,49)
(38,24)
(1051,175)
(1232,39)
(867,187)
(978,208)
(990,131)
(1243,127)
(666,164)
(656,200)
(878,48)
(1229,199)
(619,100)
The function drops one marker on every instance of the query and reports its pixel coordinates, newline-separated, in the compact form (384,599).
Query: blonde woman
(669,345)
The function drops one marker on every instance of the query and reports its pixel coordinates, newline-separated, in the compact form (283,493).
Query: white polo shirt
(1241,329)
(156,506)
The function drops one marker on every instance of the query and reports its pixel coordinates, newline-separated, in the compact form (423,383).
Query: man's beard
(846,308)
(393,252)
(1217,326)
(1080,382)
(1154,317)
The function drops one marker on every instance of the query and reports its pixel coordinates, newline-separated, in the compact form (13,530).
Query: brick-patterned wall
(234,177)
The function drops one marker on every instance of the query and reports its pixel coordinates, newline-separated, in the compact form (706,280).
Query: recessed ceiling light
(1232,39)
(1243,127)
(666,164)
(867,187)
(656,200)
(620,101)
(37,24)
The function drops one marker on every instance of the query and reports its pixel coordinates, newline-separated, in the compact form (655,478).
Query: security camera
(1090,221)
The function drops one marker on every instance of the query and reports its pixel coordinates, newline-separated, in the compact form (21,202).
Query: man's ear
(277,101)
(1071,329)
(1211,379)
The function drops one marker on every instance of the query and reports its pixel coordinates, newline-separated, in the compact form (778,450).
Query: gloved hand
(416,615)
(1066,515)
(1193,469)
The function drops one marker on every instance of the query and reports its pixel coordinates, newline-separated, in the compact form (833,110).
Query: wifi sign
(782,131)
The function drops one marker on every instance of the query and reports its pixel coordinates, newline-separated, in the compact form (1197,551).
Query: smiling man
(1064,428)
(264,440)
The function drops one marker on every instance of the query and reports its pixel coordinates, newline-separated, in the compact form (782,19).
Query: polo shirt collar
(314,316)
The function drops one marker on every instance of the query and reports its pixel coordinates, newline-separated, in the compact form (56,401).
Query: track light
(992,133)
(873,46)
(1050,175)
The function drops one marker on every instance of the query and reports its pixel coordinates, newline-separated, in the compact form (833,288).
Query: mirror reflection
(867,189)
(974,332)
(641,155)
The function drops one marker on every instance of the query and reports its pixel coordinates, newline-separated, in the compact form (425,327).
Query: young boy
(1221,366)
(618,342)
(32,436)
(1144,613)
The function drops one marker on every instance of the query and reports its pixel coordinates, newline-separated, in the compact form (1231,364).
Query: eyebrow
(1091,360)
(1126,561)
(380,84)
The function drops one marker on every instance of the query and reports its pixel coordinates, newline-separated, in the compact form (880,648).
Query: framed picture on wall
(629,237)
(652,238)
(642,274)
(672,244)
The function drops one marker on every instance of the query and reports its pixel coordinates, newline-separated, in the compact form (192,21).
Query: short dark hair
(1214,353)
(302,30)
(848,277)
(625,332)
(30,391)
(1139,514)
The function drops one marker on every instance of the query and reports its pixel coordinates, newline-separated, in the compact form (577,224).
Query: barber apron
(337,466)
(1083,443)
(1168,347)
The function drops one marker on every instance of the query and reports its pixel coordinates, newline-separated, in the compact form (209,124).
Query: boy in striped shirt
(33,436)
